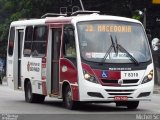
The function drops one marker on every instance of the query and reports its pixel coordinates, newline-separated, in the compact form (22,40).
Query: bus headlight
(148,77)
(89,77)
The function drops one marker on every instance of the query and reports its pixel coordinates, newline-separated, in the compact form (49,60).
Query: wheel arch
(64,85)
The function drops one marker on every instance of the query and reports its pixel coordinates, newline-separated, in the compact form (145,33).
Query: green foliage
(12,10)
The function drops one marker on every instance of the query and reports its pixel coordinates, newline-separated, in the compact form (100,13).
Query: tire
(132,104)
(67,99)
(31,97)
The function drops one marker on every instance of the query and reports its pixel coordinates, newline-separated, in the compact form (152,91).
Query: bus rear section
(26,58)
(14,51)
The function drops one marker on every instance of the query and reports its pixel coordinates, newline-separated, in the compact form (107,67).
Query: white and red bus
(81,58)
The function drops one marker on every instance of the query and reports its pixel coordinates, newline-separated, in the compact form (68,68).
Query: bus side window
(28,41)
(11,41)
(39,41)
(69,43)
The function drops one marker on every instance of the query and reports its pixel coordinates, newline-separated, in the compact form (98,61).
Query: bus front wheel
(67,99)
(132,104)
(31,97)
(129,104)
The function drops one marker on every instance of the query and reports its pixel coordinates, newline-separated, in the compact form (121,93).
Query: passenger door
(20,35)
(53,56)
(14,57)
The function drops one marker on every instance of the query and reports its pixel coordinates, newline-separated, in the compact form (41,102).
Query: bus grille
(119,92)
(129,82)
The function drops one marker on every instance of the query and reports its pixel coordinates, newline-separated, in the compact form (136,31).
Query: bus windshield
(113,42)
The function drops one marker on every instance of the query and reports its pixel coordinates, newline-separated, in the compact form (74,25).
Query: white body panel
(48,64)
(85,87)
(10,72)
(31,69)
(12,62)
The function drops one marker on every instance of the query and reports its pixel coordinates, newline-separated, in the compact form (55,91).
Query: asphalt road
(13,107)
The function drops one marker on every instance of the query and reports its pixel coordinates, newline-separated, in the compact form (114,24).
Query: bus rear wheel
(67,99)
(31,97)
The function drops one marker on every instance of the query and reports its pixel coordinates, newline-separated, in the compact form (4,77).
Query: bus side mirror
(155,44)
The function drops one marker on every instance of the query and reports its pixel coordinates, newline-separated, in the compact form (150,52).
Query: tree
(12,10)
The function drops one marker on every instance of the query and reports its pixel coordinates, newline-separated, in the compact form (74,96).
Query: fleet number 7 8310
(131,74)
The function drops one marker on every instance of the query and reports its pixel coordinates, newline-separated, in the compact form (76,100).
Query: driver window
(69,42)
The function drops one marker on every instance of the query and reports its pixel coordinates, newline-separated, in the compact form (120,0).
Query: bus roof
(92,17)
(28,22)
(71,19)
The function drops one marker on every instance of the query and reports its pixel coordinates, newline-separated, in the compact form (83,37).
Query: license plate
(130,75)
(120,98)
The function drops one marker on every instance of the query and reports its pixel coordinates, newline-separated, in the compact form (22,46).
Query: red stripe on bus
(44,88)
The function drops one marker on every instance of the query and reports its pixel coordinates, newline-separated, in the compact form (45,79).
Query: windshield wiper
(117,46)
(122,49)
(113,45)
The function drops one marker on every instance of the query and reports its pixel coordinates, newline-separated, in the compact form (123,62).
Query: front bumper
(96,92)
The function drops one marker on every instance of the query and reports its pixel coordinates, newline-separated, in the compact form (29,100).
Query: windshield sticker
(111,55)
(94,55)
(120,56)
(98,55)
(88,55)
